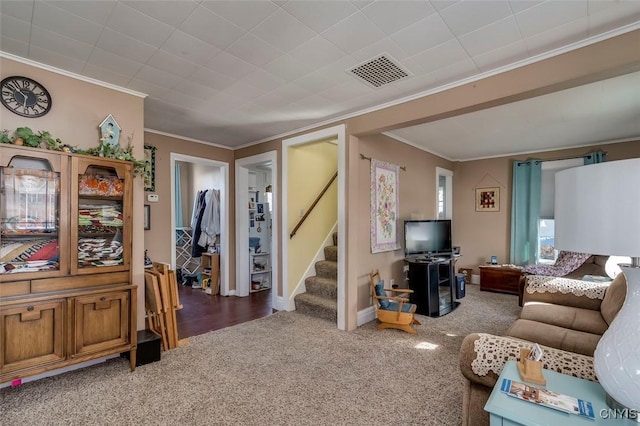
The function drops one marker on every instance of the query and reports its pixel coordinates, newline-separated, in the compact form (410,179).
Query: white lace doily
(492,352)
(542,284)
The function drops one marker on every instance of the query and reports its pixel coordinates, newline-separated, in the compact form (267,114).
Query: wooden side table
(503,279)
(507,410)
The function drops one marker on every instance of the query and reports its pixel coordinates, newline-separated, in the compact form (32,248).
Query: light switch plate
(152,198)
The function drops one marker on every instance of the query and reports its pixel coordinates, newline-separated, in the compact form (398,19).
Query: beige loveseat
(566,317)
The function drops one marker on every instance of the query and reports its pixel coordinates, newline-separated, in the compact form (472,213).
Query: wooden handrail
(303,218)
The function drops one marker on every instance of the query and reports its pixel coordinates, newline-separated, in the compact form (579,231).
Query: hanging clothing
(196,223)
(210,225)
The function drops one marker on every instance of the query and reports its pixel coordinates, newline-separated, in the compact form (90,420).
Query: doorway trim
(224,212)
(242,230)
(338,132)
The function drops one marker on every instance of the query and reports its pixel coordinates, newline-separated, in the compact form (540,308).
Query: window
(444,193)
(546,244)
(546,231)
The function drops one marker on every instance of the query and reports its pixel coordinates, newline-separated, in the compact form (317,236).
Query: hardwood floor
(202,313)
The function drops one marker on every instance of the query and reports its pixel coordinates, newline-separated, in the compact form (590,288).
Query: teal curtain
(178,191)
(595,157)
(525,211)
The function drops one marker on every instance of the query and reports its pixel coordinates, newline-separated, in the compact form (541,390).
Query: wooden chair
(393,311)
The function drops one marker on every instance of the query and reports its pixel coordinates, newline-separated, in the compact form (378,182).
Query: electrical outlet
(301,212)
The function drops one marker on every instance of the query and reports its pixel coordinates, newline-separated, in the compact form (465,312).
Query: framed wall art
(149,173)
(488,199)
(384,206)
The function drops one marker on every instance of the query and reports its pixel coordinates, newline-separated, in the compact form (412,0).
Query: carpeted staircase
(321,298)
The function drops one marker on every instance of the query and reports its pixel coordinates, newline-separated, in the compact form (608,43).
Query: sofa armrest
(483,356)
(563,291)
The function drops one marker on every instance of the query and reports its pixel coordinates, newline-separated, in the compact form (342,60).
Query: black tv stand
(433,284)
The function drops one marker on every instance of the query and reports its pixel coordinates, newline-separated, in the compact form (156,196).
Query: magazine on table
(547,398)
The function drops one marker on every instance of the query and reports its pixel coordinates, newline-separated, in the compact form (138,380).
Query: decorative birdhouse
(110,131)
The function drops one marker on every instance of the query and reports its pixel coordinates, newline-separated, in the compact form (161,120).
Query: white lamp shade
(597,208)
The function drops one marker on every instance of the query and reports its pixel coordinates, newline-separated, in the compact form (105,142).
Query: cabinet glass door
(100,230)
(30,199)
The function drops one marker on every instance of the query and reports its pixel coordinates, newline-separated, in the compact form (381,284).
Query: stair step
(331,253)
(327,269)
(322,286)
(316,306)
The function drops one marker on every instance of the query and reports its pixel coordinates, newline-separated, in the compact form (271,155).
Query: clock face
(25,97)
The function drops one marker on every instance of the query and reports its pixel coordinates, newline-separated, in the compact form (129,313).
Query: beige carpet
(285,369)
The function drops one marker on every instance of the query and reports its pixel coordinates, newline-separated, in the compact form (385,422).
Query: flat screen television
(428,237)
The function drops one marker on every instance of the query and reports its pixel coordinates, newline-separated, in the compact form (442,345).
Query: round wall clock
(25,97)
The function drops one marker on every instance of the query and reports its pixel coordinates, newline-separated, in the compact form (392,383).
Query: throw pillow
(384,304)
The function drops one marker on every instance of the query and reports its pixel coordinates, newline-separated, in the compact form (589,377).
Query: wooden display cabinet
(65,281)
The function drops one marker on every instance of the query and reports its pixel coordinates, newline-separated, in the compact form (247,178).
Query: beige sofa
(566,317)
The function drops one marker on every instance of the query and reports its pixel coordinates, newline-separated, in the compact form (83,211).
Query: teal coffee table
(507,410)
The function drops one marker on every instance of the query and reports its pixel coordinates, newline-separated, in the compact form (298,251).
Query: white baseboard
(60,371)
(366,315)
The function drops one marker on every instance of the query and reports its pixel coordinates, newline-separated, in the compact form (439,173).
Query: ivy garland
(24,136)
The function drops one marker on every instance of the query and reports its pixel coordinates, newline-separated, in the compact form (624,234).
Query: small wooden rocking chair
(392,311)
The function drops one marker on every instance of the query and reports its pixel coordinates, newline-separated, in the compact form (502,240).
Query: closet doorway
(257,232)
(197,175)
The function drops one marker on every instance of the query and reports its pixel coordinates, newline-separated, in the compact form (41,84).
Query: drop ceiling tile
(253,50)
(171,12)
(620,14)
(320,15)
(115,63)
(15,28)
(55,59)
(150,89)
(94,11)
(243,92)
(491,37)
(446,54)
(288,68)
(315,82)
(455,73)
(392,16)
(211,78)
(231,66)
(172,64)
(360,4)
(596,6)
(344,92)
(135,24)
(13,46)
(245,14)
(190,48)
(339,72)
(317,52)
(442,4)
(102,74)
(558,36)
(126,46)
(511,53)
(424,34)
(18,9)
(354,33)
(272,99)
(518,6)
(211,28)
(59,44)
(290,93)
(62,22)
(467,16)
(386,45)
(262,80)
(283,31)
(179,99)
(157,77)
(415,84)
(549,15)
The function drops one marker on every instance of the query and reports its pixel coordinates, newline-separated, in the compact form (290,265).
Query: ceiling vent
(380,71)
